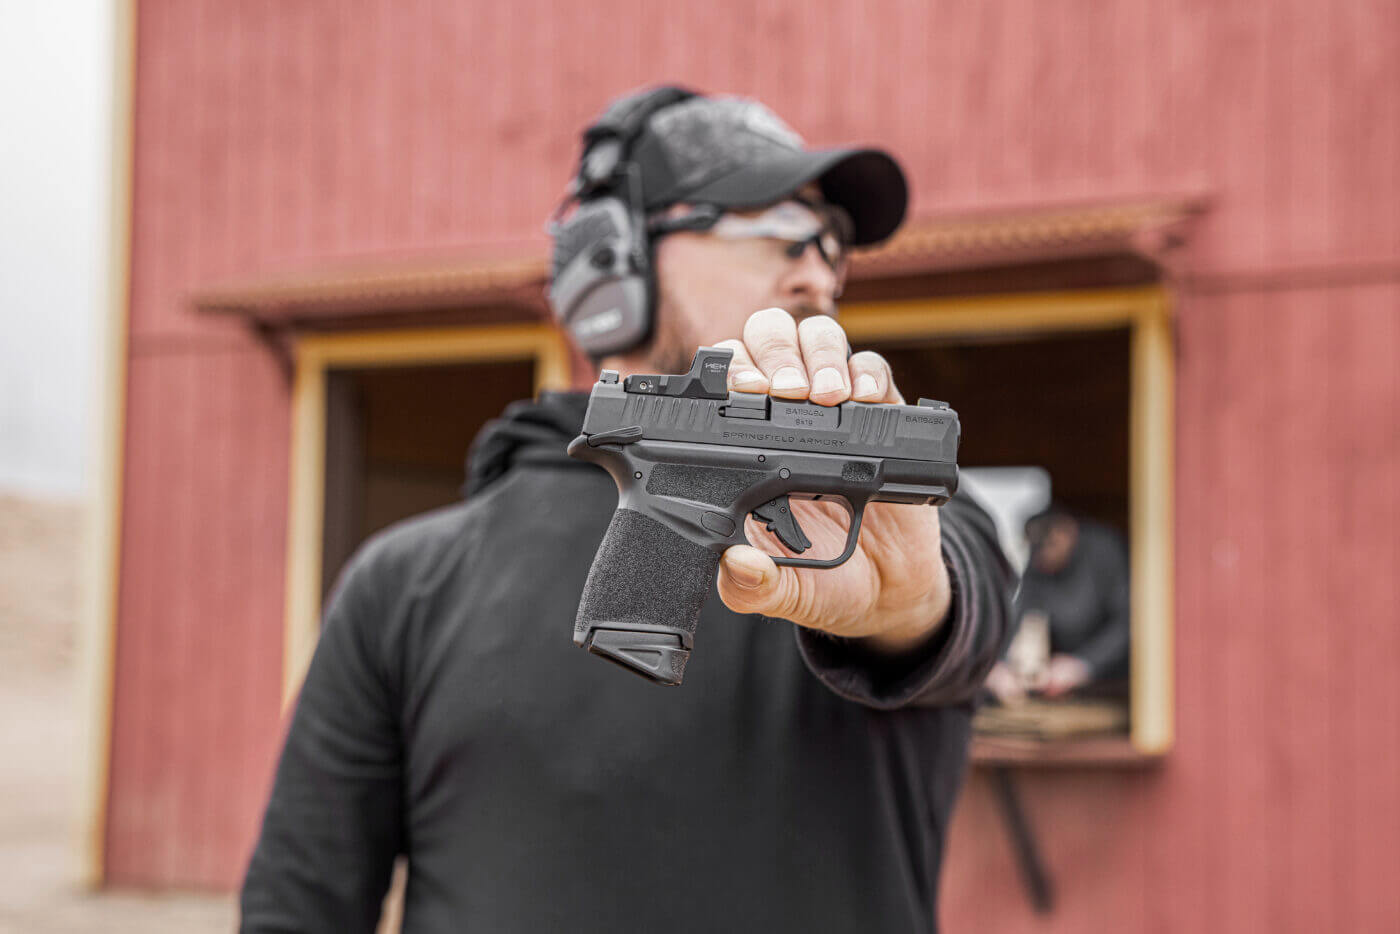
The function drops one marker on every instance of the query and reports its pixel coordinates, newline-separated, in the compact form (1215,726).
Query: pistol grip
(642,600)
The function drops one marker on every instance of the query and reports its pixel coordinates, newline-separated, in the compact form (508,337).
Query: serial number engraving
(795,415)
(923,427)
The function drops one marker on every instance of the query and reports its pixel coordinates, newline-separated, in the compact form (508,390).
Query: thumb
(749,582)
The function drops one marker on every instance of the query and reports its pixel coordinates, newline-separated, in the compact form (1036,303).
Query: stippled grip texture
(644,573)
(646,577)
(718,486)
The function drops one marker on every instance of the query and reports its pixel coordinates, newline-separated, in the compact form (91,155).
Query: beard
(674,343)
(671,348)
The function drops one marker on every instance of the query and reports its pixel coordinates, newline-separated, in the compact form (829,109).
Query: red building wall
(269,135)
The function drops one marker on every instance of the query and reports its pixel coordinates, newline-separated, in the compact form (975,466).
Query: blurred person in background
(1073,611)
(803,777)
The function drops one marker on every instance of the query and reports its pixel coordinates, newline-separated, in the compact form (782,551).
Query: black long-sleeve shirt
(790,784)
(1086,601)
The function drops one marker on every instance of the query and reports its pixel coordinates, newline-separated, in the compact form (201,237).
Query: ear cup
(589,225)
(602,287)
(599,288)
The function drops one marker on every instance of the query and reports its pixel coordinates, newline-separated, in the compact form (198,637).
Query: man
(1075,590)
(803,776)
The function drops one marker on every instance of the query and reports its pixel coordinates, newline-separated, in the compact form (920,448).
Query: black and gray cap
(736,153)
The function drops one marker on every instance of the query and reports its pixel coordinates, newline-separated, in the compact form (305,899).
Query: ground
(39,761)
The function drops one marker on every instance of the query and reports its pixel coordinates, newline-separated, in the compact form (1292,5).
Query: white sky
(55,106)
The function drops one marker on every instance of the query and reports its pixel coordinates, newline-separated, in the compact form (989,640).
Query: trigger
(777,513)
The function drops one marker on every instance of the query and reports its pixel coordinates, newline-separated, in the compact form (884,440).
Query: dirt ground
(39,892)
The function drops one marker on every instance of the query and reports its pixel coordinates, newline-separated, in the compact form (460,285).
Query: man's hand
(893,592)
(1064,674)
(1005,685)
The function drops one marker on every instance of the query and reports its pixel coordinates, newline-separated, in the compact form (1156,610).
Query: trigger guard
(857,512)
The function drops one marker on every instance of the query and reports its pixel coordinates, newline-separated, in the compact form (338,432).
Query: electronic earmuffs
(602,283)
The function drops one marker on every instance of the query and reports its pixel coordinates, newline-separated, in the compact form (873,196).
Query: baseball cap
(736,153)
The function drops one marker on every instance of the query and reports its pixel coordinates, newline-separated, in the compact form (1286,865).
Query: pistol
(692,460)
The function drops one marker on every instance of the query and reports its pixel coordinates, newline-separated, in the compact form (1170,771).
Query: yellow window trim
(1144,311)
(315,355)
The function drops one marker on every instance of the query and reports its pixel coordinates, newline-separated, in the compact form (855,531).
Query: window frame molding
(314,356)
(1146,312)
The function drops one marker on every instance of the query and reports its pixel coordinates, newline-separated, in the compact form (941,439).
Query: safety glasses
(795,222)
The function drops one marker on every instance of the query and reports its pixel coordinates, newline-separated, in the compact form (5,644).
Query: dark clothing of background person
(1086,602)
(789,785)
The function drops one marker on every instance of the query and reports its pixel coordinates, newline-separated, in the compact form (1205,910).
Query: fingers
(823,345)
(750,582)
(744,374)
(771,338)
(871,378)
(807,360)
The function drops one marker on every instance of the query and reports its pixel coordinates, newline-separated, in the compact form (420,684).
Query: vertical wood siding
(272,134)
